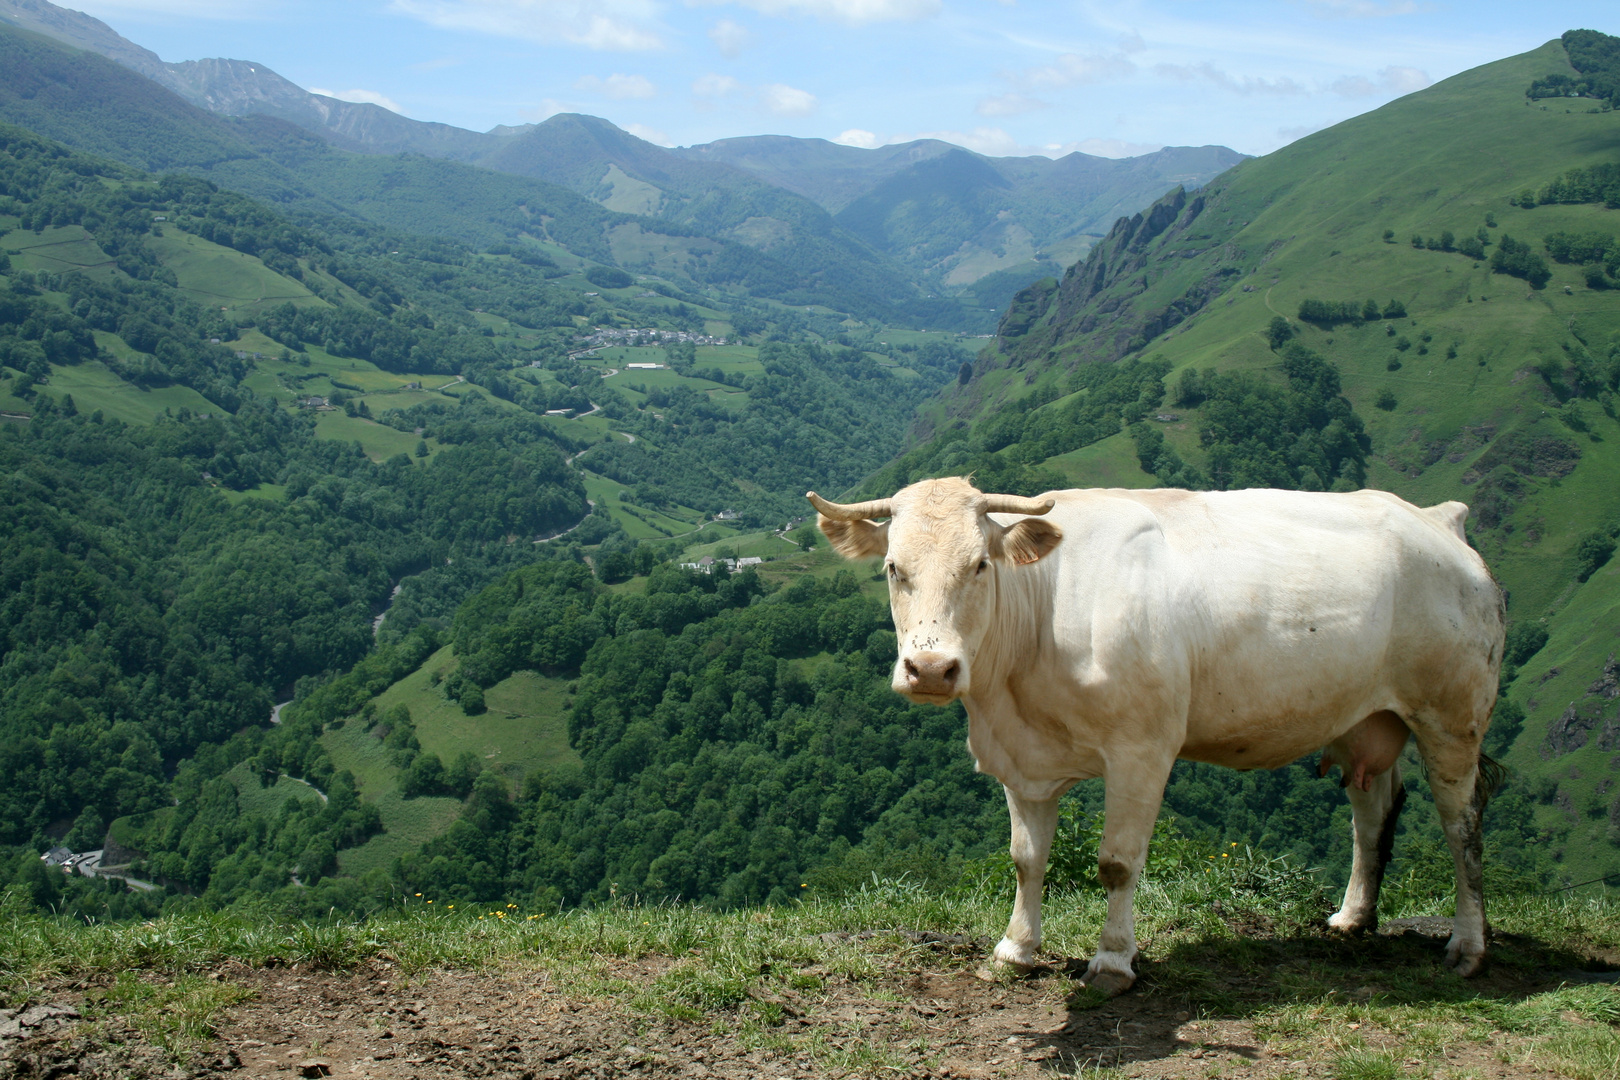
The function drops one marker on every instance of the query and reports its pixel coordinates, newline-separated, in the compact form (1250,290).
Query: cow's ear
(855,539)
(1029,540)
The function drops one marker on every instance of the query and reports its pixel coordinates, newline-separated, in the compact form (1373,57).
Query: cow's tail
(1489,780)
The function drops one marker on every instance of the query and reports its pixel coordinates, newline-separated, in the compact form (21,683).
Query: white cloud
(618,87)
(848,11)
(1072,69)
(1009,105)
(729,37)
(713,86)
(783,100)
(652,135)
(866,140)
(1247,85)
(1391,82)
(361,97)
(594,24)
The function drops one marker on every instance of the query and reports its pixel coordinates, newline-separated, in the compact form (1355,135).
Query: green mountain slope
(728,242)
(765,192)
(1483,382)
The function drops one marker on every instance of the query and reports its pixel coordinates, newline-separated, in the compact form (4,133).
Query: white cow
(1125,629)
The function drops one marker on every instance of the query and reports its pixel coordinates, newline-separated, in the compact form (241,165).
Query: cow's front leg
(1033,823)
(1132,793)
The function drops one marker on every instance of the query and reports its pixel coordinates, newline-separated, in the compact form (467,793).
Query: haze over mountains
(944,219)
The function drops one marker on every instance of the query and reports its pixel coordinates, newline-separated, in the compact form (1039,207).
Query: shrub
(1386,400)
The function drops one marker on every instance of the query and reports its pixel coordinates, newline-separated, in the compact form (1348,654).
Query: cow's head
(942,554)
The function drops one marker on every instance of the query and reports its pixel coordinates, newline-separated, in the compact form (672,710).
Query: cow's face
(941,553)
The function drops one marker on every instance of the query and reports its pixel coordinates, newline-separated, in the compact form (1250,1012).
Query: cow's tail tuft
(1492,775)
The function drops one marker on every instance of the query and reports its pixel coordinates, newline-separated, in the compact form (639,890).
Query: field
(220,276)
(523,730)
(1236,979)
(638,521)
(93,385)
(57,250)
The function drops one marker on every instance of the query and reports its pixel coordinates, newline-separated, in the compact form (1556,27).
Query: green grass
(58,250)
(378,441)
(93,385)
(222,277)
(1215,949)
(266,802)
(522,730)
(1110,463)
(639,522)
(268,492)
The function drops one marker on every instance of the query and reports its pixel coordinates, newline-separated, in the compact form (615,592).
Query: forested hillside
(232,441)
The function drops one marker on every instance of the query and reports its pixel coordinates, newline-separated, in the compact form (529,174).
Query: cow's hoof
(1465,958)
(1347,923)
(1106,977)
(1018,957)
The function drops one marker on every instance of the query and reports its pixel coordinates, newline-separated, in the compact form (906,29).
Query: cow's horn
(1016,504)
(876,508)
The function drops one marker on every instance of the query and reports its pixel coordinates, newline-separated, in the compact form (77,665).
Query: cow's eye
(984,564)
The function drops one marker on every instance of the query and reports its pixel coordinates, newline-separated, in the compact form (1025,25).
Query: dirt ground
(943,1015)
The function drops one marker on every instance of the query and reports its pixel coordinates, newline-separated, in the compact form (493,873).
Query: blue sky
(999,76)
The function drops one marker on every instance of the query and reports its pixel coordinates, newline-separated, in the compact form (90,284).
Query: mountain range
(943,220)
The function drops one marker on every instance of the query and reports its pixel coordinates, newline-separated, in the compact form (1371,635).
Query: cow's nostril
(911,669)
(951,671)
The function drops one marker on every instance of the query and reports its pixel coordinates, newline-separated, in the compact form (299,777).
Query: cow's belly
(1263,716)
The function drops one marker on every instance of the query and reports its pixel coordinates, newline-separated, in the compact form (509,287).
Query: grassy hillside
(1487,388)
(1237,980)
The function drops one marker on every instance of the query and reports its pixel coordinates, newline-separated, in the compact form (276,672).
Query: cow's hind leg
(1034,821)
(1133,792)
(1376,812)
(1463,780)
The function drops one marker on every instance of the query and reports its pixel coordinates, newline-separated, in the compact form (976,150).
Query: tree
(806,536)
(472,699)
(1386,400)
(1279,332)
(421,448)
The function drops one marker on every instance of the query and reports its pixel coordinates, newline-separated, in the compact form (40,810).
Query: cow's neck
(1020,622)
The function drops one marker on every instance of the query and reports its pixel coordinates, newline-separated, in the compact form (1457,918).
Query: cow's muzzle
(929,676)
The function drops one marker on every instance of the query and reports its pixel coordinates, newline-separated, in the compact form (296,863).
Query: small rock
(314,1067)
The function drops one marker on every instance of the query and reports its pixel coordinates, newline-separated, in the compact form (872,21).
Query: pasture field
(1110,463)
(638,521)
(378,441)
(268,492)
(59,249)
(222,277)
(93,385)
(1237,980)
(762,545)
(407,823)
(254,798)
